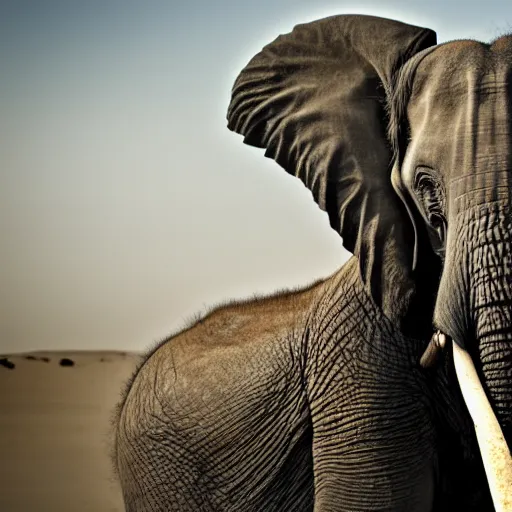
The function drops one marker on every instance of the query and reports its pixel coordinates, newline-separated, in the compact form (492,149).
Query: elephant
(351,394)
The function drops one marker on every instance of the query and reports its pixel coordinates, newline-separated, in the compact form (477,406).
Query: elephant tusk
(493,447)
(433,350)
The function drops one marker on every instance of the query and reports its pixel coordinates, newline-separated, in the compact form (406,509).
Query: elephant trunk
(490,291)
(474,307)
(495,357)
(474,303)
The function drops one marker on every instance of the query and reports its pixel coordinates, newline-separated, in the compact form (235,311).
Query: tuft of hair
(396,105)
(507,32)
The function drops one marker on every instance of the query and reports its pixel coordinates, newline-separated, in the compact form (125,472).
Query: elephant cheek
(452,308)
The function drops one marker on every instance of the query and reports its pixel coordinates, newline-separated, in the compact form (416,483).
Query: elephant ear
(316,100)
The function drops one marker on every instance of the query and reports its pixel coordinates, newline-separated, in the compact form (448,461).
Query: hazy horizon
(126,204)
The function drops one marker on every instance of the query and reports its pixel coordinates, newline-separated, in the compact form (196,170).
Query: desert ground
(55,411)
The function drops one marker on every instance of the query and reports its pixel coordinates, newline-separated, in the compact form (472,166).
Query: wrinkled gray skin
(315,399)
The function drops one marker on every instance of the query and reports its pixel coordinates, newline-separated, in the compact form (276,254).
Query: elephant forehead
(462,54)
(458,68)
(461,77)
(460,108)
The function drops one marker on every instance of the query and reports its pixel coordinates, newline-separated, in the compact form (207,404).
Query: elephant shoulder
(233,341)
(239,346)
(231,380)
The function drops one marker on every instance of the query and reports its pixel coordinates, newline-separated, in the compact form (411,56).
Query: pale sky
(126,205)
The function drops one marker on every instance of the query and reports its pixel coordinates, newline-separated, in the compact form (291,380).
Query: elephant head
(407,145)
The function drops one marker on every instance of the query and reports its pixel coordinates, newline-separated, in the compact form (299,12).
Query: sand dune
(55,410)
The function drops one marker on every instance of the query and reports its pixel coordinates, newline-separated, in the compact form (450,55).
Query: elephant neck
(345,308)
(409,307)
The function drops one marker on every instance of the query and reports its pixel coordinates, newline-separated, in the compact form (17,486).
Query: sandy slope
(55,410)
